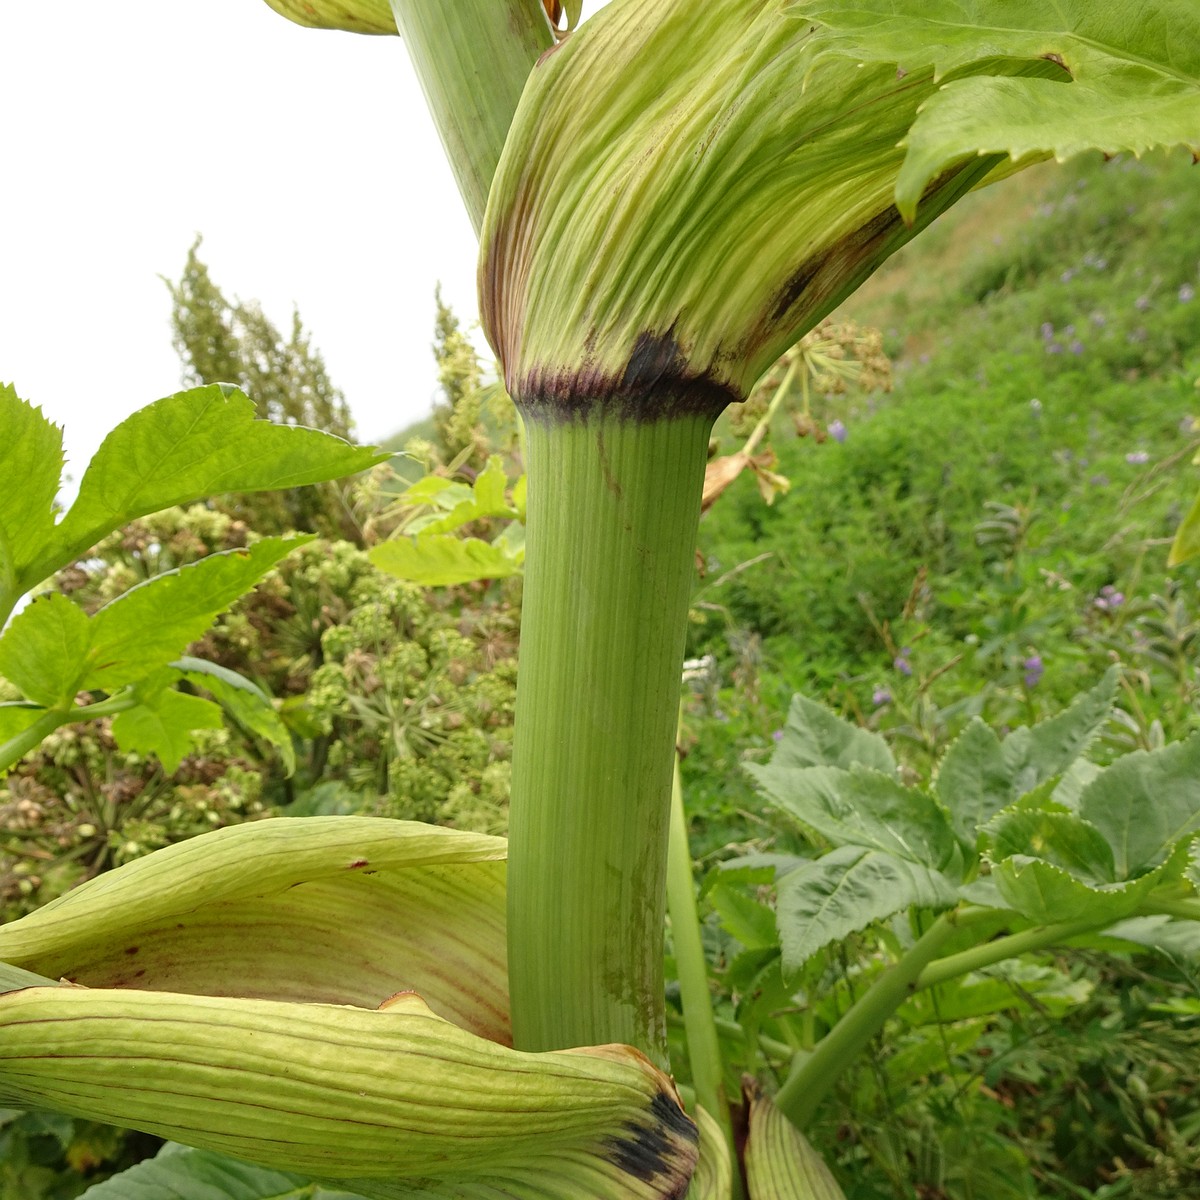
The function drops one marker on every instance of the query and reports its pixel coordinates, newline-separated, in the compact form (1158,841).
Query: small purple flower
(1109,598)
(1047,331)
(1033,668)
(837,430)
(1186,293)
(1099,319)
(778,735)
(1137,458)
(1100,480)
(1076,347)
(901,663)
(881,696)
(1142,303)
(1054,348)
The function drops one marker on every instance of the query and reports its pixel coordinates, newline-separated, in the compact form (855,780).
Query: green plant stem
(807,1085)
(764,423)
(704,1047)
(613,504)
(1027,940)
(17,746)
(472,58)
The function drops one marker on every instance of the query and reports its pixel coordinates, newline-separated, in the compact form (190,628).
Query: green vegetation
(936,914)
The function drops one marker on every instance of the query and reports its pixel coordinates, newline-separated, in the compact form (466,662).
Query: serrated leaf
(1062,839)
(30,451)
(816,737)
(247,704)
(1130,78)
(979,775)
(188,446)
(861,807)
(441,559)
(164,727)
(844,892)
(1050,894)
(1145,803)
(43,651)
(973,781)
(181,1173)
(153,623)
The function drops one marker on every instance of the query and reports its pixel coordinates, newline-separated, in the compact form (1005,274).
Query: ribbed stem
(614,500)
(472,58)
(801,1095)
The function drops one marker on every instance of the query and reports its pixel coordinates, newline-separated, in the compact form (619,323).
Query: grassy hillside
(1031,465)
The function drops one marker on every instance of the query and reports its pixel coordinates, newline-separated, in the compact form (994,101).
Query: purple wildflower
(1076,347)
(837,430)
(901,663)
(1054,348)
(778,735)
(1047,331)
(1033,667)
(881,696)
(1137,458)
(1109,598)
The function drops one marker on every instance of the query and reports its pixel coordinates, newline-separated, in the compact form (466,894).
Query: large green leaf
(1130,79)
(816,737)
(194,444)
(343,910)
(150,624)
(31,452)
(847,890)
(979,774)
(1049,894)
(862,807)
(1145,803)
(181,1173)
(43,651)
(1061,838)
(163,726)
(371,1097)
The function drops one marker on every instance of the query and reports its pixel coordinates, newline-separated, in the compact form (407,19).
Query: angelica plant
(667,199)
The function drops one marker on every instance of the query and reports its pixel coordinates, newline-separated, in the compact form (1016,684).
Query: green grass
(1035,452)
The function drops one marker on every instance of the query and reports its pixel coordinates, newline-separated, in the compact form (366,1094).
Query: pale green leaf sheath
(342,910)
(780,1163)
(375,1098)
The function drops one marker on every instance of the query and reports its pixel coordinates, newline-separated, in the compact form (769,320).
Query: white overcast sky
(305,158)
